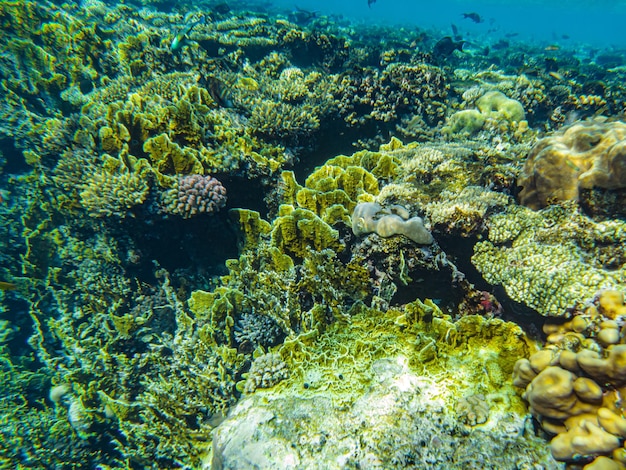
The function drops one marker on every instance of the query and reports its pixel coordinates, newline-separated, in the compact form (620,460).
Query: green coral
(467,121)
(550,260)
(498,105)
(296,230)
(493,105)
(333,190)
(418,337)
(113,189)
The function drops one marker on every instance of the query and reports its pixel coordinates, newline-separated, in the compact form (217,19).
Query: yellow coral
(113,190)
(587,439)
(297,230)
(582,156)
(497,104)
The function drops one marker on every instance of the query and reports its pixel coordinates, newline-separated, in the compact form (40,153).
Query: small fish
(475,17)
(182,38)
(7,286)
(511,35)
(419,39)
(370,2)
(219,92)
(572,165)
(301,16)
(552,47)
(556,75)
(446,46)
(501,45)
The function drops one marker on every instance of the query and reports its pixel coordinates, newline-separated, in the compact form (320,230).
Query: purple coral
(199,194)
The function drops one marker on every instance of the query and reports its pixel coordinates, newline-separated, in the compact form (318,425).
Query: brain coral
(582,156)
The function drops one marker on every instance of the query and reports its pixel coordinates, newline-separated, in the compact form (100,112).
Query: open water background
(595,23)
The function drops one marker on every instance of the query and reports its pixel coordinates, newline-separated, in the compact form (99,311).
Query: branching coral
(113,191)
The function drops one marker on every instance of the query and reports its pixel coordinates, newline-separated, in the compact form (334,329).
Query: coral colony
(260,239)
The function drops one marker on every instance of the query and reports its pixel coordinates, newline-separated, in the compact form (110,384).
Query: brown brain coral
(582,156)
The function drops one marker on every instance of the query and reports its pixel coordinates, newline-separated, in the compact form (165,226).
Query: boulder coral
(496,103)
(494,106)
(585,155)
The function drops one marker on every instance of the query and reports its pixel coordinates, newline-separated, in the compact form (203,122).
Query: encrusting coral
(551,260)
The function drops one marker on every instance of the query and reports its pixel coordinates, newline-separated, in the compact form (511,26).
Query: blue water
(599,24)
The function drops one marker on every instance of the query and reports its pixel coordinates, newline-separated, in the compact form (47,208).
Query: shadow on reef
(461,249)
(196,247)
(15,162)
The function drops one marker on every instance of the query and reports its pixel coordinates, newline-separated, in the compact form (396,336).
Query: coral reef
(551,260)
(370,217)
(581,156)
(132,325)
(198,194)
(574,385)
(377,387)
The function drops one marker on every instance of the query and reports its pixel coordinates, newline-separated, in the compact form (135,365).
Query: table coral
(582,156)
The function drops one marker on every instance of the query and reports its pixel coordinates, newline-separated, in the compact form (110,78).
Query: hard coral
(582,156)
(498,104)
(198,194)
(548,259)
(574,386)
(266,371)
(371,217)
